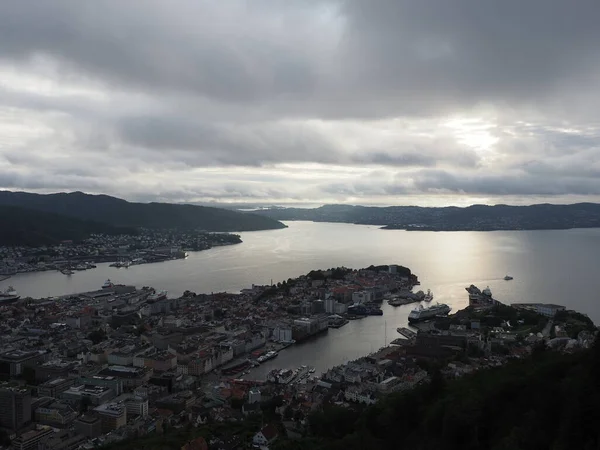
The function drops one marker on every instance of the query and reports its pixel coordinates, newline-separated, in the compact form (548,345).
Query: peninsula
(135,368)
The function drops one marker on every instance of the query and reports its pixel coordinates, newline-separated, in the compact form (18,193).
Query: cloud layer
(386,101)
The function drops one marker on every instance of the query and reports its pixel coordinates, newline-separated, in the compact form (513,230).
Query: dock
(408,334)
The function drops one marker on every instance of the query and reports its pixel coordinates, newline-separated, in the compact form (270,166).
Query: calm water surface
(548,266)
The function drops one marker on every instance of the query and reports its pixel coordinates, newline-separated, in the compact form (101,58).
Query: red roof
(269,432)
(196,444)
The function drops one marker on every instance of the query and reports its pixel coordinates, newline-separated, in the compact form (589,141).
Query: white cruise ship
(421,313)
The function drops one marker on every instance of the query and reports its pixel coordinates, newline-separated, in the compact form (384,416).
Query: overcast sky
(428,102)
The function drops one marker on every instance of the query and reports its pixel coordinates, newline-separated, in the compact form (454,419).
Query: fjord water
(548,266)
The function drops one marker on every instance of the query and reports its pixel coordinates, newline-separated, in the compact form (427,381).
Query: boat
(267,356)
(159,295)
(431,312)
(429,296)
(397,301)
(508,278)
(67,272)
(283,376)
(9,296)
(409,334)
(365,310)
(107,284)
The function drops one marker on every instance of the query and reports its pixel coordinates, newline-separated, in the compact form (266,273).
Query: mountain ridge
(451,218)
(31,228)
(121,213)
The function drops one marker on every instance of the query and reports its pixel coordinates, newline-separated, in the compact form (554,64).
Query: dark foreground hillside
(118,212)
(548,402)
(25,227)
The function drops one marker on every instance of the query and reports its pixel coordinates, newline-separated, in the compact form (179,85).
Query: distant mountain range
(472,218)
(74,211)
(27,227)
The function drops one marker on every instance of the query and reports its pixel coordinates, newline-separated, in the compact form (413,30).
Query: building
(54,369)
(31,439)
(197,444)
(134,404)
(267,435)
(88,425)
(120,359)
(16,407)
(93,395)
(308,326)
(388,384)
(112,416)
(63,440)
(362,297)
(114,383)
(79,321)
(545,309)
(53,388)
(131,377)
(177,402)
(57,415)
(16,360)
(161,362)
(360,396)
(254,396)
(282,333)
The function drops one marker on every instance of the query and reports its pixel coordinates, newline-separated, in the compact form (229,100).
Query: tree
(97,336)
(28,375)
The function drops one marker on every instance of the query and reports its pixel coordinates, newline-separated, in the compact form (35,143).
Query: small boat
(9,296)
(67,272)
(429,296)
(508,278)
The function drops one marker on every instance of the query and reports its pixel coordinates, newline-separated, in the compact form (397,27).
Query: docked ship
(267,356)
(365,310)
(283,376)
(107,284)
(9,296)
(431,312)
(158,295)
(397,301)
(429,296)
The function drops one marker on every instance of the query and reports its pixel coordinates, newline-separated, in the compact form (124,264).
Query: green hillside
(26,227)
(118,212)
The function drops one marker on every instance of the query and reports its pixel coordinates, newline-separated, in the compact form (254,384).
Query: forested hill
(549,401)
(26,227)
(475,217)
(118,212)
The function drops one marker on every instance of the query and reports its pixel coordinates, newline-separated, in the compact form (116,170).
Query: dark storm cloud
(170,87)
(398,56)
(472,51)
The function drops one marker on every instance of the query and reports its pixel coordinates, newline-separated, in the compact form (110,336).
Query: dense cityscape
(101,368)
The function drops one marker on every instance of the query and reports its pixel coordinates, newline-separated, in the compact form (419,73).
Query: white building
(282,333)
(254,395)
